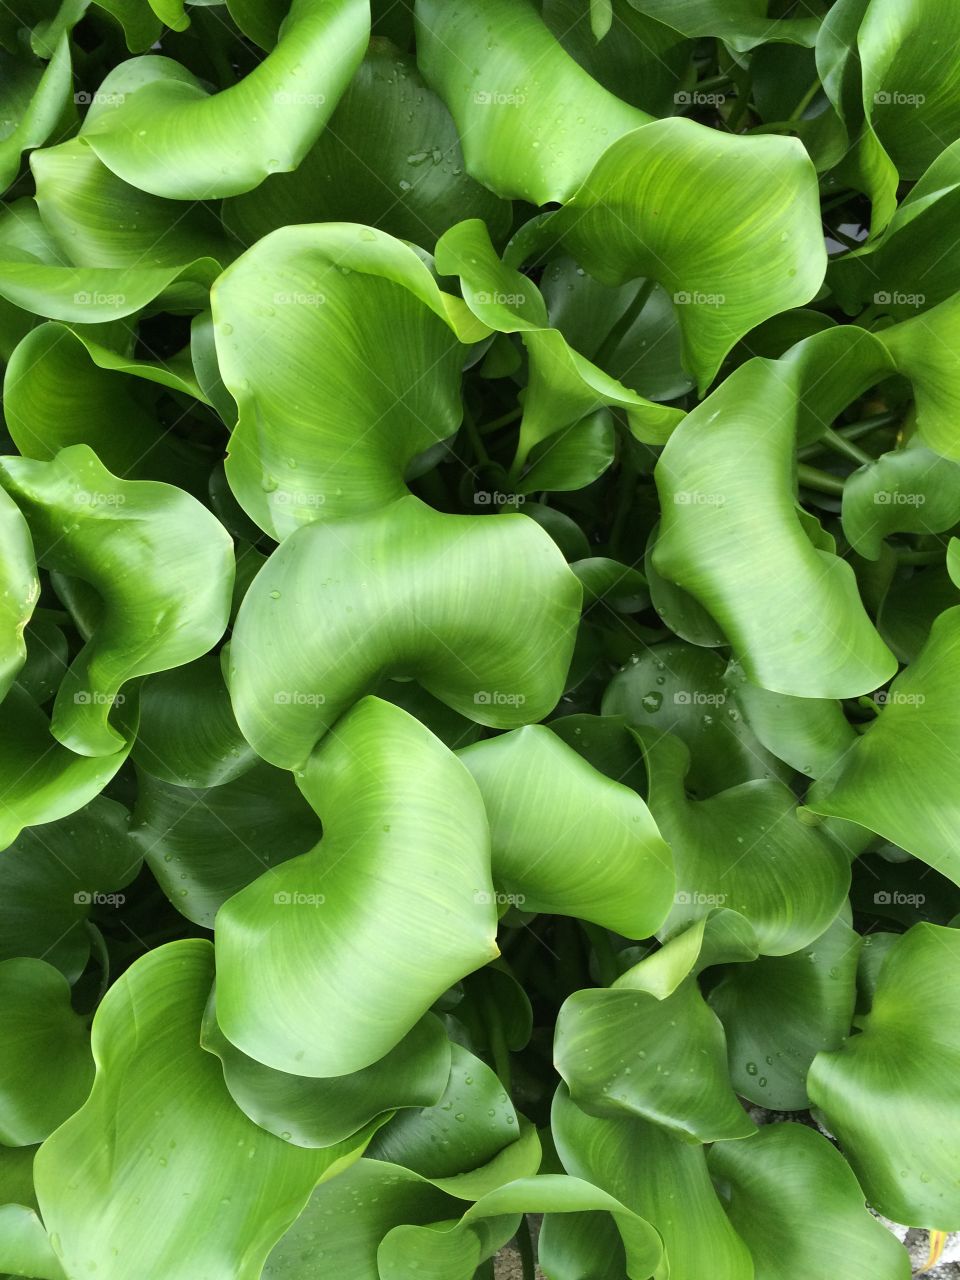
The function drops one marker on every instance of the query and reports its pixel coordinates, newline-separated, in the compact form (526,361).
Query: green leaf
(204,845)
(563,387)
(469,1122)
(102,221)
(34,102)
(623,1050)
(21,590)
(780,1011)
(53,876)
(745,848)
(630,331)
(572,457)
(24,1246)
(389,157)
(108,532)
(180,1152)
(741,24)
(63,388)
(566,839)
(41,780)
(45,1064)
(320,1113)
(898,779)
(808,734)
(679,689)
(910,491)
(299,293)
(481,612)
(406,856)
(789,608)
(452,1251)
(531,121)
(794,1200)
(156,127)
(654,1173)
(885,1094)
(753,250)
(90,295)
(188,736)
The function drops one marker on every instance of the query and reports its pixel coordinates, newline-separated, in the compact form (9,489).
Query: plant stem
(498,1042)
(525,1248)
(476,439)
(813,478)
(852,432)
(624,324)
(797,113)
(503,421)
(846,447)
(920,557)
(607,966)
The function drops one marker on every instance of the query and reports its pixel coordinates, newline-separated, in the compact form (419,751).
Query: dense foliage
(523,439)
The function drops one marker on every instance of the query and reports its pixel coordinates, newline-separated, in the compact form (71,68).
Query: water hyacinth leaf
(320,1113)
(742,25)
(35,101)
(563,386)
(885,1093)
(922,348)
(531,121)
(566,839)
(47,656)
(102,221)
(808,734)
(913,490)
(791,610)
(897,779)
(680,689)
(389,156)
(913,102)
(678,609)
(744,848)
(613,226)
(188,735)
(446,1251)
(156,127)
(45,1065)
(630,330)
(795,1202)
(25,1248)
(620,586)
(779,1012)
(204,845)
(653,1172)
(492,637)
(63,388)
(639,59)
(664,1060)
(912,605)
(53,876)
(347,1217)
(106,531)
(906,268)
(387,871)
(573,457)
(42,780)
(21,589)
(91,295)
(468,1124)
(295,455)
(183,1151)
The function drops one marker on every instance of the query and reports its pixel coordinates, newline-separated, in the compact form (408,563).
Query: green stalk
(814,478)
